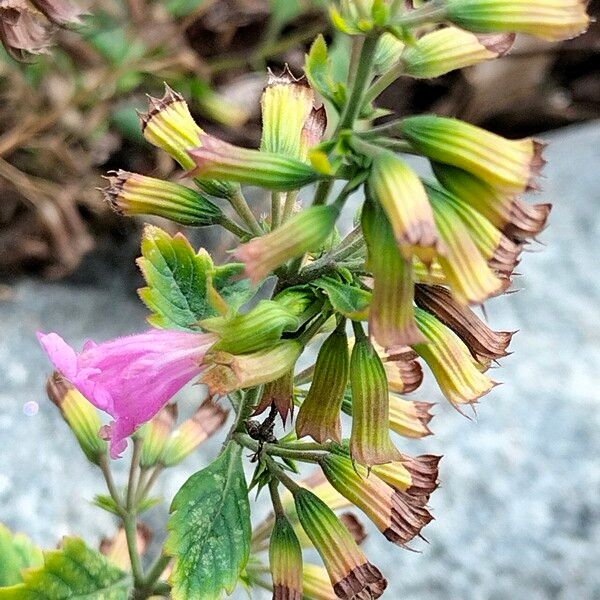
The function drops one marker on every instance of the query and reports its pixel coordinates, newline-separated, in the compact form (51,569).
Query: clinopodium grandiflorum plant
(308,337)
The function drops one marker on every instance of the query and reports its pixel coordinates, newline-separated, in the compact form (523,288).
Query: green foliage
(180,281)
(319,71)
(17,552)
(210,529)
(348,300)
(73,572)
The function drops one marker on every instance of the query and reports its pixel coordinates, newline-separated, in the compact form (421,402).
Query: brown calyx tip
(498,43)
(354,526)
(117,181)
(283,592)
(286,77)
(536,165)
(409,516)
(157,105)
(527,220)
(423,413)
(57,388)
(424,473)
(364,582)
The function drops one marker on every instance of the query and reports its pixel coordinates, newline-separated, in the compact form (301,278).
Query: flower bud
(286,105)
(391,314)
(80,415)
(547,19)
(156,434)
(393,512)
(169,125)
(259,328)
(456,371)
(229,372)
(450,48)
(316,583)
(319,415)
(404,199)
(465,268)
(278,393)
(132,194)
(511,165)
(351,574)
(205,422)
(304,232)
(505,210)
(417,476)
(219,160)
(285,560)
(502,254)
(483,343)
(370,441)
(410,418)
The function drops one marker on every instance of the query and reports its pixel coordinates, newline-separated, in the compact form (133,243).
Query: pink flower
(133,377)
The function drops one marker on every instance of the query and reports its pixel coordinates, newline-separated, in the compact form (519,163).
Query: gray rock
(517,515)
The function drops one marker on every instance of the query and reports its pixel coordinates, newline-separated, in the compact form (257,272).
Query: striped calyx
(319,415)
(304,232)
(80,415)
(228,372)
(285,561)
(458,374)
(133,194)
(370,441)
(216,159)
(208,418)
(509,165)
(391,315)
(351,574)
(396,513)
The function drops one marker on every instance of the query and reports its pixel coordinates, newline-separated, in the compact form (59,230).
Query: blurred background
(518,513)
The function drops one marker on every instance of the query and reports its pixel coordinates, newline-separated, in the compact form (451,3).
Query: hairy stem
(240,205)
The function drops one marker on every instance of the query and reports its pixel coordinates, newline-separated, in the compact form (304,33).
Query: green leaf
(17,552)
(350,301)
(183,8)
(210,530)
(106,503)
(178,281)
(318,69)
(73,572)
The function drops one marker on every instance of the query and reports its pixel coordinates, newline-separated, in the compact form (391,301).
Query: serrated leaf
(178,281)
(17,552)
(74,572)
(210,530)
(348,300)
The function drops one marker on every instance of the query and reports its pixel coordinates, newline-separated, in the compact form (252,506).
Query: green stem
(110,483)
(130,526)
(275,450)
(133,473)
(278,472)
(275,498)
(276,198)
(384,81)
(363,77)
(233,227)
(240,205)
(288,206)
